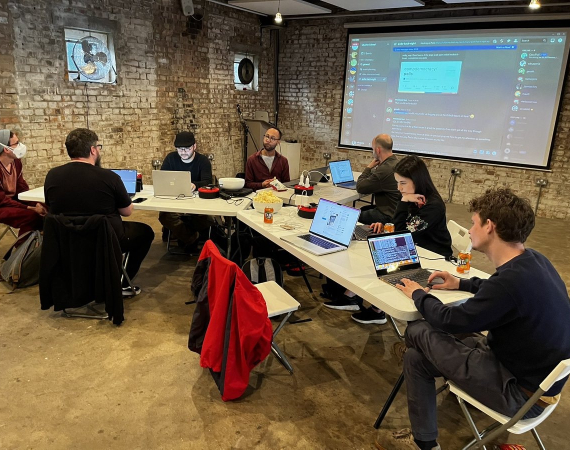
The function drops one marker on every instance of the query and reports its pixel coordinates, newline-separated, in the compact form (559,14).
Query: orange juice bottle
(463,262)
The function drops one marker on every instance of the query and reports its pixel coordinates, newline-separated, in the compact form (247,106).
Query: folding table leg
(275,348)
(389,401)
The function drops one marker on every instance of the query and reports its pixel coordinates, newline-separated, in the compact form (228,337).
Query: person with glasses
(267,165)
(82,187)
(26,216)
(187,228)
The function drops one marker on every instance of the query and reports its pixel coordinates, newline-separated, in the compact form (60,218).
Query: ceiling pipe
(217,2)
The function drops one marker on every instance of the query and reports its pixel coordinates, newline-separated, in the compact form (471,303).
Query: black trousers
(137,240)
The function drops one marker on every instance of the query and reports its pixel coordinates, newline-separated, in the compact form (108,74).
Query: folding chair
(459,236)
(515,424)
(278,302)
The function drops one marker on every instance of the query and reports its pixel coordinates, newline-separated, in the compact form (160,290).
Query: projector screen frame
(474,25)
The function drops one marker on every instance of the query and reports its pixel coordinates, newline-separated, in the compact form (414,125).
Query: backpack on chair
(260,270)
(21,265)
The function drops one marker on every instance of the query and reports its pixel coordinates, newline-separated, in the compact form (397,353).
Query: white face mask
(19,151)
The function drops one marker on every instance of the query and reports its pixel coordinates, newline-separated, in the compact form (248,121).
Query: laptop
(171,183)
(315,176)
(395,257)
(331,229)
(341,173)
(129,179)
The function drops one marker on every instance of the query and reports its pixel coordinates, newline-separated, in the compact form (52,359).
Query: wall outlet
(211,156)
(541,182)
(327,156)
(455,171)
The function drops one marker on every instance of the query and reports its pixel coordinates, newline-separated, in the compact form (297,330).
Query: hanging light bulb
(278,16)
(534,4)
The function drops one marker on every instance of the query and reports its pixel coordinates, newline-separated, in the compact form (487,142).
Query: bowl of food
(231,184)
(267,199)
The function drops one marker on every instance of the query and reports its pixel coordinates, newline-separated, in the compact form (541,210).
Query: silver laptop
(341,173)
(395,257)
(331,229)
(129,179)
(167,183)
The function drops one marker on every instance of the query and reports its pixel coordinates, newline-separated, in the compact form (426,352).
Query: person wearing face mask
(82,187)
(23,215)
(186,228)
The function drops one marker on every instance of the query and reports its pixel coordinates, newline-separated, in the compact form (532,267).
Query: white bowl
(232,184)
(260,206)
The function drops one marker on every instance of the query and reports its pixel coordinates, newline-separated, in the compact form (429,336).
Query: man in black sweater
(524,306)
(186,228)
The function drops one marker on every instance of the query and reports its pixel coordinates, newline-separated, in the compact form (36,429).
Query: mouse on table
(436,280)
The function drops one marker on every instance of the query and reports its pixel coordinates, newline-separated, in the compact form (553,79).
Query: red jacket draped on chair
(230,328)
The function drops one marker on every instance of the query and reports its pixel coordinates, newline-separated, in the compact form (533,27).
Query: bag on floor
(260,270)
(21,264)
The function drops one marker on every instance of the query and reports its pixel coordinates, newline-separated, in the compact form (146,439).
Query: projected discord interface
(490,96)
(392,252)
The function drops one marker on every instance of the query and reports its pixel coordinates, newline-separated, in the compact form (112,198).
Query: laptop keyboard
(318,241)
(420,276)
(361,232)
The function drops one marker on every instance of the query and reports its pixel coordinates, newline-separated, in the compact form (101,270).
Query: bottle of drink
(268,215)
(389,228)
(464,262)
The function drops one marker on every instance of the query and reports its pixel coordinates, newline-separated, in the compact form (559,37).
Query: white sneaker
(128,292)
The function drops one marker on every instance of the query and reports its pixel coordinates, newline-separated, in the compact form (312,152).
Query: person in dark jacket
(524,306)
(378,179)
(186,228)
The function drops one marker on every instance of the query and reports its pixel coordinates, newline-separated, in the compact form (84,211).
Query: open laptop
(395,257)
(173,183)
(341,173)
(129,179)
(315,176)
(331,229)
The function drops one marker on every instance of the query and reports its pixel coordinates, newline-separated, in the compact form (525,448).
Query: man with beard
(83,188)
(266,165)
(186,228)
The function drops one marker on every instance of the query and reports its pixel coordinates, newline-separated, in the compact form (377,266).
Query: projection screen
(482,95)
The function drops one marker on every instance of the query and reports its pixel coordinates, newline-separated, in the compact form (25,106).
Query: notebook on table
(129,179)
(341,173)
(171,183)
(331,229)
(395,256)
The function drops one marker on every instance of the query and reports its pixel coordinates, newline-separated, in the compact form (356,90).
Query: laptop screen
(341,171)
(335,222)
(393,251)
(129,178)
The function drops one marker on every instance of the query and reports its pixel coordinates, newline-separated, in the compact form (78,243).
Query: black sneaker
(128,292)
(368,316)
(345,303)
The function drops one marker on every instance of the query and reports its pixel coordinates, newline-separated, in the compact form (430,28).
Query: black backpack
(259,270)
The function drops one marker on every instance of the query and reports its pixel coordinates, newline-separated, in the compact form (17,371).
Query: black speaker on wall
(187,7)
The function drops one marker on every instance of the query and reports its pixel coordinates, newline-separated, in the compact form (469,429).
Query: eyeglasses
(184,149)
(235,201)
(99,147)
(271,138)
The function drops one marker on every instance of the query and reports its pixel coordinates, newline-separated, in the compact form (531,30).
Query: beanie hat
(184,139)
(4,138)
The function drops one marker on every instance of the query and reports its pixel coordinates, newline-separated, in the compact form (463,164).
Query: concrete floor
(80,383)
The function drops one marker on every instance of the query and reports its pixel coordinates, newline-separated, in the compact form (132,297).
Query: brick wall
(174,74)
(311,79)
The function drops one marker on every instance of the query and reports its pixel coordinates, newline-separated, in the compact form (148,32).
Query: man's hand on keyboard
(449,281)
(409,287)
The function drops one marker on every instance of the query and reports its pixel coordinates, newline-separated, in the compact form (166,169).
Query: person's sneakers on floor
(128,292)
(370,316)
(345,303)
(402,440)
